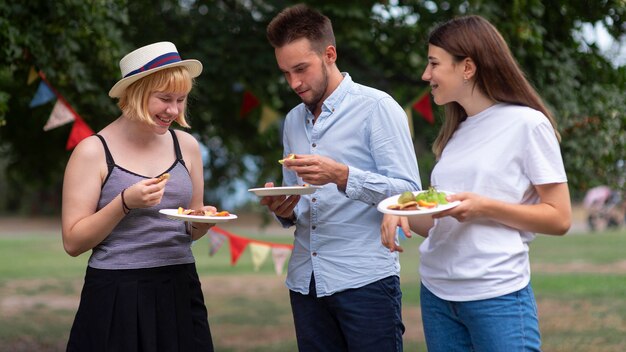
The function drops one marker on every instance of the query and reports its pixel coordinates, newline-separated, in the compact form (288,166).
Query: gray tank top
(144,238)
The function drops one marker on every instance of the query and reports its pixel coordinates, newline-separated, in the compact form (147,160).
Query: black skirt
(155,309)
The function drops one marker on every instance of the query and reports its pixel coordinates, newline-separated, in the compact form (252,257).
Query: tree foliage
(381,43)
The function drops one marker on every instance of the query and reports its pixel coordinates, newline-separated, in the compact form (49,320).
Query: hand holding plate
(280,205)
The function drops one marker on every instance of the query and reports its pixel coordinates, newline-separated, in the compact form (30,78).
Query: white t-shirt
(499,153)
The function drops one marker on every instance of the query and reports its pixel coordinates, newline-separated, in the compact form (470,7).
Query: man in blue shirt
(354,141)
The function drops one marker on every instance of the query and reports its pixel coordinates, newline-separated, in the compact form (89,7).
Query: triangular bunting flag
(237,246)
(80,131)
(32,75)
(268,116)
(423,107)
(409,116)
(61,114)
(43,95)
(248,104)
(280,254)
(259,254)
(215,242)
(259,249)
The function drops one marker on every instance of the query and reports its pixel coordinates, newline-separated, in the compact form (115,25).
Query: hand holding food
(163,177)
(318,170)
(290,156)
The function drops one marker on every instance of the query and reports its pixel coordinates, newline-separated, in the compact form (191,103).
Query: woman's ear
(469,68)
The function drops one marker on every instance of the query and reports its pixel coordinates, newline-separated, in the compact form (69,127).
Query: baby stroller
(605,208)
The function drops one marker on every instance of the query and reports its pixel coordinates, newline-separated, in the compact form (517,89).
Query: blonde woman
(141,290)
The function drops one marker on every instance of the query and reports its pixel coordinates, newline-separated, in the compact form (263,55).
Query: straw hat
(149,59)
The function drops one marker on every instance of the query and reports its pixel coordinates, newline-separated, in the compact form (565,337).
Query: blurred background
(574,53)
(65,53)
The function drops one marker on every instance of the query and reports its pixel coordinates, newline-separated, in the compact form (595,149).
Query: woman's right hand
(145,193)
(388,230)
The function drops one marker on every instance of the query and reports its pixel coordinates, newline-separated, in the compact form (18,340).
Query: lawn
(579,281)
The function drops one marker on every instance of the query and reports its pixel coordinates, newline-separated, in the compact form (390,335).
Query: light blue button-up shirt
(337,234)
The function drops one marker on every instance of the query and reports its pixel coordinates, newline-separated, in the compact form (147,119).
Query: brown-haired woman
(498,153)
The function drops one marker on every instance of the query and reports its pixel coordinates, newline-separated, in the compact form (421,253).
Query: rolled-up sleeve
(393,154)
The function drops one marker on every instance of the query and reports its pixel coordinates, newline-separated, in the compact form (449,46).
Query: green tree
(76,44)
(381,43)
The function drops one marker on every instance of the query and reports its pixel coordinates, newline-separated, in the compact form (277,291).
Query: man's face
(305,71)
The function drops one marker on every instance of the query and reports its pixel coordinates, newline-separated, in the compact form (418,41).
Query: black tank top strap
(179,154)
(107,153)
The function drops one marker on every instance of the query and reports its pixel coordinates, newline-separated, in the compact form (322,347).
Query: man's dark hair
(300,21)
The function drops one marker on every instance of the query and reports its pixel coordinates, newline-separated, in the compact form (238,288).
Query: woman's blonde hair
(498,74)
(134,100)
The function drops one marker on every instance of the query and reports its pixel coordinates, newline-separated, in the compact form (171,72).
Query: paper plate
(382,206)
(284,191)
(173,214)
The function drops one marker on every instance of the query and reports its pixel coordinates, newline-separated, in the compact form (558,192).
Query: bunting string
(249,102)
(259,249)
(62,112)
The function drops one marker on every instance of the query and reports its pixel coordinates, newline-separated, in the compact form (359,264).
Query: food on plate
(411,205)
(290,156)
(406,197)
(424,200)
(432,196)
(200,212)
(163,177)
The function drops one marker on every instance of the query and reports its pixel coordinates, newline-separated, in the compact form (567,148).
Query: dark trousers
(363,319)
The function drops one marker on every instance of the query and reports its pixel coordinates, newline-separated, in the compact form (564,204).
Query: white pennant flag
(259,254)
(61,114)
(280,254)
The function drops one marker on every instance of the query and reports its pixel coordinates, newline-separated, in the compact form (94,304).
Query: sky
(613,49)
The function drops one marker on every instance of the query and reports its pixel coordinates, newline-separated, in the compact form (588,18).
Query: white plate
(382,206)
(173,214)
(284,191)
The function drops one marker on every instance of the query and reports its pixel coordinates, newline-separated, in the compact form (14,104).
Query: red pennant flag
(248,104)
(423,107)
(237,244)
(80,131)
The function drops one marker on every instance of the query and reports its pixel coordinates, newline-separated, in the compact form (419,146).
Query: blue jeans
(502,324)
(363,319)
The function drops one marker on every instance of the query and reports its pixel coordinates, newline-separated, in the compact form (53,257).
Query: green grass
(598,248)
(580,309)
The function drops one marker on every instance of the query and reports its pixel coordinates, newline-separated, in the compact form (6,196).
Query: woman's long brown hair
(498,74)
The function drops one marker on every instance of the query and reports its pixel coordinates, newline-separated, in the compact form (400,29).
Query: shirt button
(314,145)
(314,200)
(313,227)
(315,254)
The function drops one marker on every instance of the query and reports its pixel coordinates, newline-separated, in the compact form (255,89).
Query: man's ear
(330,54)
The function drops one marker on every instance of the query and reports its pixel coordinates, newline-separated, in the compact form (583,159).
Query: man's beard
(317,99)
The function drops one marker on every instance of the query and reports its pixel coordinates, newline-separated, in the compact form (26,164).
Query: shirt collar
(335,98)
